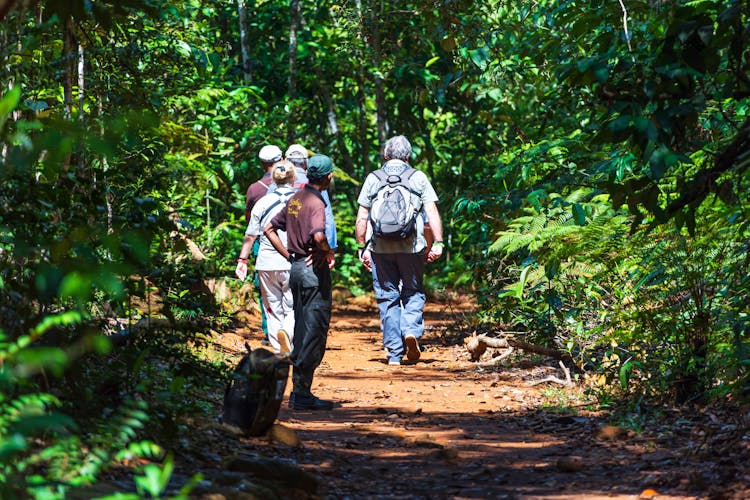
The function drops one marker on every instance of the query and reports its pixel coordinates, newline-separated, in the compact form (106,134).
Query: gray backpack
(395,206)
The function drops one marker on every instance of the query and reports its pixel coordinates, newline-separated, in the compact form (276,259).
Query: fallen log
(478,344)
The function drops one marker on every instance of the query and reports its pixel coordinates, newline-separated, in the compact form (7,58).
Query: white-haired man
(397,265)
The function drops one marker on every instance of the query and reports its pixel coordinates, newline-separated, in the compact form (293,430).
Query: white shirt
(417,182)
(269,205)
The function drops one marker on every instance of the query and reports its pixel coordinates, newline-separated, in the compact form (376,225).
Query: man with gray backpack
(394,202)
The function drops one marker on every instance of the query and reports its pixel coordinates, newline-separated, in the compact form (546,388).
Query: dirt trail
(449,428)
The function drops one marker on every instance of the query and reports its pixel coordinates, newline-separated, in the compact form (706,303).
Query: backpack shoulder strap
(267,186)
(282,198)
(405,176)
(380,175)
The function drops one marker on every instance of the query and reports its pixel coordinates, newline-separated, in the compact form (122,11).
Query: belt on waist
(296,256)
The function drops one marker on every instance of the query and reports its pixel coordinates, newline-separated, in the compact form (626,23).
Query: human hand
(241,270)
(435,251)
(318,258)
(365,258)
(331,259)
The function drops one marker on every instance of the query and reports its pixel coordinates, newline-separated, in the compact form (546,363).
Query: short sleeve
(421,184)
(253,227)
(368,189)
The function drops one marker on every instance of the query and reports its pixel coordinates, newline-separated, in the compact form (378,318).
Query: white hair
(397,148)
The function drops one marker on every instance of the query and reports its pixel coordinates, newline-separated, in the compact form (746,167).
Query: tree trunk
(244,42)
(361,94)
(5,6)
(332,121)
(69,50)
(381,111)
(295,12)
(81,96)
(105,169)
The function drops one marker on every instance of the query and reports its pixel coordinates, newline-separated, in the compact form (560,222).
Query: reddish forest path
(449,428)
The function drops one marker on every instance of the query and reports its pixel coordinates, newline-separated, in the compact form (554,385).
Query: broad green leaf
(8,103)
(76,285)
(579,214)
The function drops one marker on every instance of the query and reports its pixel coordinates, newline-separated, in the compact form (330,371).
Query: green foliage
(651,116)
(153,481)
(592,179)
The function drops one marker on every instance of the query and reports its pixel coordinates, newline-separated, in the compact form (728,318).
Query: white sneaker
(412,348)
(394,362)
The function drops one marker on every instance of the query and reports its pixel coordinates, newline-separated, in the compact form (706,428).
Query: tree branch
(625,24)
(567,382)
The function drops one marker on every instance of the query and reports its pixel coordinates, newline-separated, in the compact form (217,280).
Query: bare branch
(625,24)
(567,382)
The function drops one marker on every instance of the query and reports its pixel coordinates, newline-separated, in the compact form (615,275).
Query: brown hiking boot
(412,348)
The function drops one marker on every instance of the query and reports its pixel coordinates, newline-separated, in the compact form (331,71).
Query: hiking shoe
(412,348)
(285,346)
(312,403)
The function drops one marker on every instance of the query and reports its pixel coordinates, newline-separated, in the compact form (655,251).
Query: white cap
(296,151)
(269,153)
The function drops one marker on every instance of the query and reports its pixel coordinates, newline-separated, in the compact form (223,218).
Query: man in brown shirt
(308,250)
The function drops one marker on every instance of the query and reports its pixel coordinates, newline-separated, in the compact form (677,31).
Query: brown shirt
(256,191)
(303,216)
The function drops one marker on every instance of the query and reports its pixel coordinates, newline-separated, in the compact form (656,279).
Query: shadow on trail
(388,452)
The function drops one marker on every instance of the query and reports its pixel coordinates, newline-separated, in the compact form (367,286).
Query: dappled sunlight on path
(449,428)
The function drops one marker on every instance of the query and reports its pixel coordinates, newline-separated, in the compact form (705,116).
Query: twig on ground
(567,382)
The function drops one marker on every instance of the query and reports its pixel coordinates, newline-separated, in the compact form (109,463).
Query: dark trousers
(311,289)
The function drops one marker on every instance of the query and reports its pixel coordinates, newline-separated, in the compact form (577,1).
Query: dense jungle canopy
(591,160)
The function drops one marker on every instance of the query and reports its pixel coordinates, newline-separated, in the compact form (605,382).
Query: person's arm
(360,228)
(273,237)
(321,254)
(436,230)
(247,245)
(428,237)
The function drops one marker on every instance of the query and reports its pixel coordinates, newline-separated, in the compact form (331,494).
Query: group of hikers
(292,236)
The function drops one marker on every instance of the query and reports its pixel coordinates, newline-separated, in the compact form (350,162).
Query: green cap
(318,166)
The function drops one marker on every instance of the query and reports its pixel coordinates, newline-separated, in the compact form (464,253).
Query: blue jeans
(397,279)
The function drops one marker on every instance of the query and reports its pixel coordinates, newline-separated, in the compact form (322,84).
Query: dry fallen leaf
(610,432)
(283,434)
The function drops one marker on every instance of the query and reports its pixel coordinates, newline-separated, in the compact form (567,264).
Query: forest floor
(446,427)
